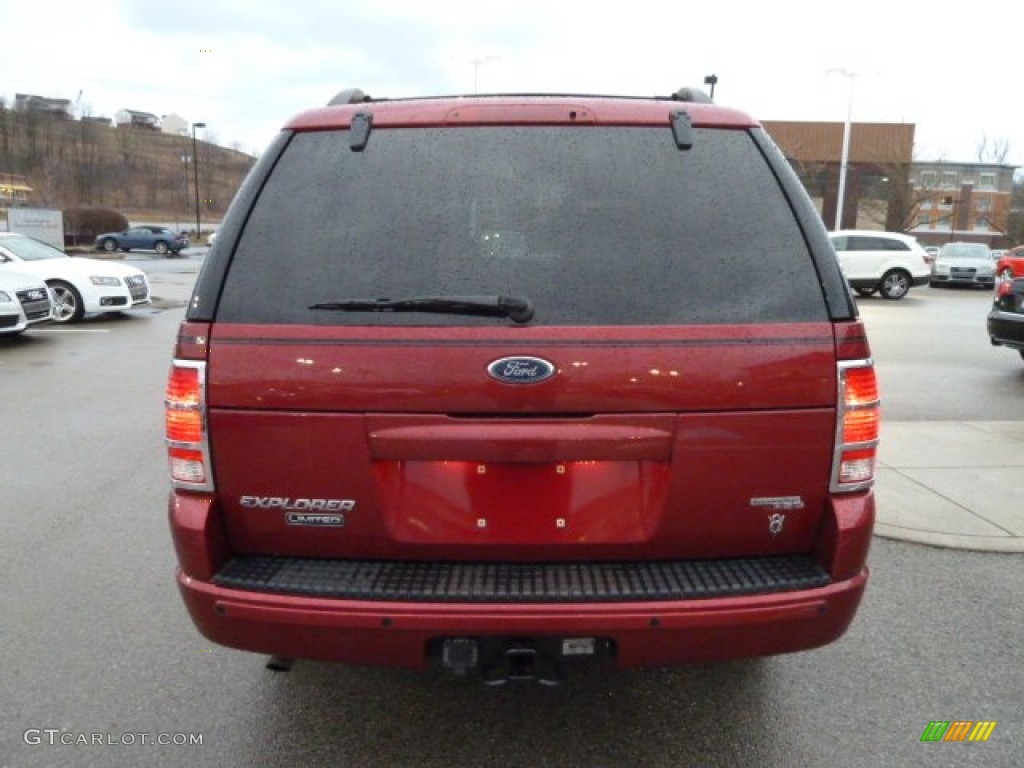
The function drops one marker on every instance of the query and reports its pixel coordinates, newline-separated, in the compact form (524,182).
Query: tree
(1015,219)
(904,200)
(994,151)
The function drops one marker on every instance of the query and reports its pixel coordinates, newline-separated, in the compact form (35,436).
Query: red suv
(505,383)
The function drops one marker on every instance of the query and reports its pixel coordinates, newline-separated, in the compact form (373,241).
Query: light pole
(195,171)
(851,76)
(477,63)
(185,160)
(711,80)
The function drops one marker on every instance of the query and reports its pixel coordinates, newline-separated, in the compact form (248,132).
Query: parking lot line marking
(71,330)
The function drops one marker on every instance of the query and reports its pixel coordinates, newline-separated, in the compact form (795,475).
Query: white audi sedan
(24,301)
(79,285)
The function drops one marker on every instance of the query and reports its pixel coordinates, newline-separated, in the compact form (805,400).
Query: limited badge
(306,518)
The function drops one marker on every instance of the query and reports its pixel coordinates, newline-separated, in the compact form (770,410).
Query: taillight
(857,426)
(185,422)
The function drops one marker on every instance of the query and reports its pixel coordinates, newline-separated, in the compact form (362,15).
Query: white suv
(887,262)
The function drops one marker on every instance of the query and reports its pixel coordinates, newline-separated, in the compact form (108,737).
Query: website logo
(958,730)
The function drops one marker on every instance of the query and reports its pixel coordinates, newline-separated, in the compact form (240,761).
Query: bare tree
(1015,219)
(6,131)
(994,151)
(86,162)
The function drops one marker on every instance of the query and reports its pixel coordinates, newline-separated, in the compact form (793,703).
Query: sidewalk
(952,484)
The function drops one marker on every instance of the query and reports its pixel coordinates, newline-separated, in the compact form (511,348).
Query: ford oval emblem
(521,370)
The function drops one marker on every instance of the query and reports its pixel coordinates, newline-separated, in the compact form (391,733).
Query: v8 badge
(775,523)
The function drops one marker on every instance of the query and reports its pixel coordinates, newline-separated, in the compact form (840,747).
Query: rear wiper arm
(518,309)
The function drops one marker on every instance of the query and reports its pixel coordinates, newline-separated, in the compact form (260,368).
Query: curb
(990,545)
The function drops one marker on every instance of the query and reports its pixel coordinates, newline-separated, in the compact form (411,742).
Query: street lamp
(195,170)
(185,160)
(851,76)
(477,63)
(711,80)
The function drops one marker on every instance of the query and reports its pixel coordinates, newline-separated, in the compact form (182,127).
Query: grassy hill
(140,172)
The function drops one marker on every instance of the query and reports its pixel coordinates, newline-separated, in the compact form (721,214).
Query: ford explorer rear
(501,384)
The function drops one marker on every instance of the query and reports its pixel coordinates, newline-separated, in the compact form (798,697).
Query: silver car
(964,264)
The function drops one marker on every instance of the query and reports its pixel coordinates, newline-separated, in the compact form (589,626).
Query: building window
(986,181)
(927,179)
(924,220)
(948,179)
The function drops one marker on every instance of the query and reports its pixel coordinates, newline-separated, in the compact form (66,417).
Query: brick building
(880,155)
(968,202)
(935,202)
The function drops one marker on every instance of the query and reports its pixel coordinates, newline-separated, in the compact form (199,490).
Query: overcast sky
(244,67)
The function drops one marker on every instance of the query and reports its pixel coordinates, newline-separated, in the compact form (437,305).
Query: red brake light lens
(183,387)
(858,427)
(185,423)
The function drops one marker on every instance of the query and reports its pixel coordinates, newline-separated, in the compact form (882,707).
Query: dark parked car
(144,238)
(1006,320)
(505,409)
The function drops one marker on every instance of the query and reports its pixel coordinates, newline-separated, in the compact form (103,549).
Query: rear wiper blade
(518,309)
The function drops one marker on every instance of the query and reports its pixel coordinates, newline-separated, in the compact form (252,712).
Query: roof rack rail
(688,93)
(349,96)
(358,96)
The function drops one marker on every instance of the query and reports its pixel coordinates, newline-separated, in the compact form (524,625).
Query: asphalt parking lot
(96,640)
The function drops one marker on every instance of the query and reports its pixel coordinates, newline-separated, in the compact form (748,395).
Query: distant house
(174,124)
(29,102)
(135,119)
(14,189)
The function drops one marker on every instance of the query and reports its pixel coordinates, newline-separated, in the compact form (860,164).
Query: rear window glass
(895,245)
(594,225)
(859,243)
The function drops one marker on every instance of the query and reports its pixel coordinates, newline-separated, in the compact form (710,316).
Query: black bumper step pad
(521,582)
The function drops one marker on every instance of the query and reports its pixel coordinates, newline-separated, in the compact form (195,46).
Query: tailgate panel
(647,443)
(716,495)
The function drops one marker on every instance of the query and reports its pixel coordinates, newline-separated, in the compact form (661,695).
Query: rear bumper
(1006,329)
(655,632)
(644,634)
